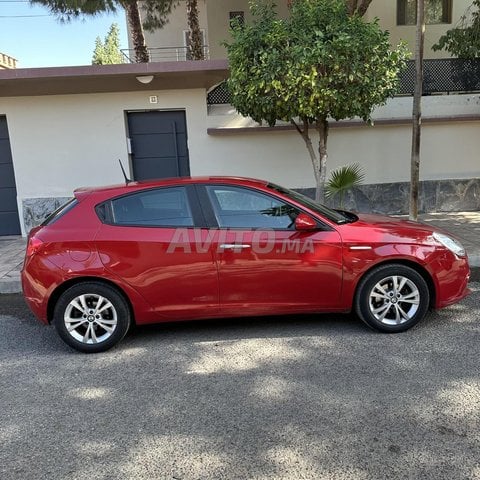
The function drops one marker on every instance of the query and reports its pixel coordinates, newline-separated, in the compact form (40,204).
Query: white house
(65,127)
(396,16)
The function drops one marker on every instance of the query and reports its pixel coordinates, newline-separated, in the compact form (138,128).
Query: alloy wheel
(90,318)
(394,300)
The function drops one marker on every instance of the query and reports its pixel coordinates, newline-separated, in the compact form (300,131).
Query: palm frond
(343,179)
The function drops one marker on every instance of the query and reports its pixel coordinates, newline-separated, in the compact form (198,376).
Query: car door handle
(234,246)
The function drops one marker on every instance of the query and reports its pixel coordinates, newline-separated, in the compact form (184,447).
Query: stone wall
(36,210)
(393,198)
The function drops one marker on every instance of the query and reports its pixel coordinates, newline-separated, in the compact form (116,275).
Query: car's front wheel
(91,317)
(392,298)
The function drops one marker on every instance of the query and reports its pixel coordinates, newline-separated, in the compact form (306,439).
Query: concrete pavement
(464,225)
(281,398)
(12,252)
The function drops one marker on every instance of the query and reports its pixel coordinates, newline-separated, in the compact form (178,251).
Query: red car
(191,248)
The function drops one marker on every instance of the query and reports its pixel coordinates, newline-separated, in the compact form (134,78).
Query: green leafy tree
(358,7)
(320,63)
(463,41)
(156,11)
(108,52)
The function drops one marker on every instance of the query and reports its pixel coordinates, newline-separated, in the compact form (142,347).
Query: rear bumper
(39,278)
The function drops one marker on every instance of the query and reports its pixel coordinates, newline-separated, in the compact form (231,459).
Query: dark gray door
(159,144)
(9,222)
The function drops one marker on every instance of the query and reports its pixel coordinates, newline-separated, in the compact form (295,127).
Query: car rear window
(59,212)
(163,207)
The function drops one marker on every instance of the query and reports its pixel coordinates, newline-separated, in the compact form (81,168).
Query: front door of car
(264,264)
(149,240)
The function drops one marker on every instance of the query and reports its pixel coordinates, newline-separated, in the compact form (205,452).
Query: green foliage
(343,179)
(320,62)
(463,41)
(156,12)
(108,52)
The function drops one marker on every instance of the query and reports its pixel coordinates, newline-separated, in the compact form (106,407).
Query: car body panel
(254,278)
(199,279)
(176,279)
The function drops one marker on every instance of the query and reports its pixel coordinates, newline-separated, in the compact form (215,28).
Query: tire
(82,327)
(392,298)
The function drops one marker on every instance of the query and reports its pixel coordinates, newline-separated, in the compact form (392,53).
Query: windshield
(336,216)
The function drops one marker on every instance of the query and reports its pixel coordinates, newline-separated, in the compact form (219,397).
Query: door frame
(17,210)
(128,139)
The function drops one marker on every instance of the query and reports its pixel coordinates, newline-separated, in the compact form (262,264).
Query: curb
(474,274)
(10,286)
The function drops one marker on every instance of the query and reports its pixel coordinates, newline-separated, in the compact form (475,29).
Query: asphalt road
(317,397)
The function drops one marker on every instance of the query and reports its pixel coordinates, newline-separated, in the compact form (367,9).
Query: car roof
(140,185)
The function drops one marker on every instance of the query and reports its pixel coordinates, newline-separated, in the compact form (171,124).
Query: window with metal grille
(436,11)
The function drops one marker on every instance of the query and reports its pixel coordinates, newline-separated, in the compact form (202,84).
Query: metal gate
(9,222)
(158,143)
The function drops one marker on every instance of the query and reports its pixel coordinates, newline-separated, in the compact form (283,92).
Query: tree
(157,19)
(318,64)
(358,6)
(156,11)
(108,52)
(417,111)
(195,44)
(463,41)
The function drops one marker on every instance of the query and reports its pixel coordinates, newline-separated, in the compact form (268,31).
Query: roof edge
(117,69)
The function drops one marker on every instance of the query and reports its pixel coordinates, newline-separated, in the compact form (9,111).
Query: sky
(37,39)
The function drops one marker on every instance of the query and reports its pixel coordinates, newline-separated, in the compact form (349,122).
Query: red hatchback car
(190,248)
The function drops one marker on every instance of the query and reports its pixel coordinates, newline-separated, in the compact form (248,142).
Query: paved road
(292,398)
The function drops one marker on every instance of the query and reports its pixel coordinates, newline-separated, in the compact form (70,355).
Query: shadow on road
(267,398)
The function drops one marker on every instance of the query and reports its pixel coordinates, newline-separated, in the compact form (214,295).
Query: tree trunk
(417,112)
(322,128)
(195,47)
(358,6)
(308,143)
(138,38)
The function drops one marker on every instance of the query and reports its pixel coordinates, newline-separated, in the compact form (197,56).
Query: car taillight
(33,246)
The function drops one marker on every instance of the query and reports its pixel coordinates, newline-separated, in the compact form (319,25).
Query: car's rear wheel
(392,298)
(91,317)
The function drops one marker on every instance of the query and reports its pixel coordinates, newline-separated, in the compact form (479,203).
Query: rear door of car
(264,264)
(149,237)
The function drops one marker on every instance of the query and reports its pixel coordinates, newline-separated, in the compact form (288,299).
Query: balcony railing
(164,54)
(442,76)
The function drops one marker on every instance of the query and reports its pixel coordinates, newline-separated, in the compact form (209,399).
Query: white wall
(449,150)
(171,35)
(63,142)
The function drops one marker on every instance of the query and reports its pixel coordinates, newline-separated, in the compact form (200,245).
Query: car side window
(162,207)
(237,207)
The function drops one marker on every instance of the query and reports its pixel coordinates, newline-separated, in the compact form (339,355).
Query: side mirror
(305,222)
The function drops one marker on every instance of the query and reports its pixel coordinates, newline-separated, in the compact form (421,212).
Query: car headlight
(453,245)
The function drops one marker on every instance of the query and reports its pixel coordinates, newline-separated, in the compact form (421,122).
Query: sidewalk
(464,225)
(12,251)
